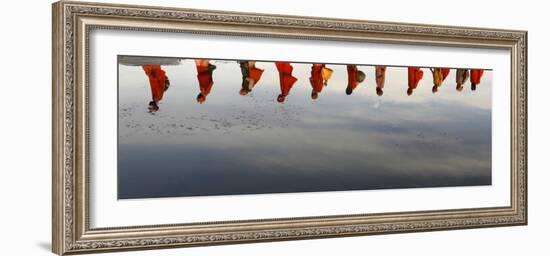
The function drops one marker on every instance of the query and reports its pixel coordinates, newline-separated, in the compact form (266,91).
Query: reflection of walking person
(355,77)
(462,76)
(414,76)
(439,75)
(251,76)
(380,73)
(159,84)
(286,80)
(316,80)
(475,77)
(204,75)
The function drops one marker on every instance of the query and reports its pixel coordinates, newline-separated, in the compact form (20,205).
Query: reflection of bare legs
(244,73)
(250,84)
(380,77)
(462,76)
(379,91)
(434,89)
(314,95)
(281,98)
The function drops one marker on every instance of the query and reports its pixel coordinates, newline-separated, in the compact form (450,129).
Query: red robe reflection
(316,80)
(204,75)
(286,80)
(445,72)
(255,74)
(352,78)
(157,81)
(414,77)
(475,76)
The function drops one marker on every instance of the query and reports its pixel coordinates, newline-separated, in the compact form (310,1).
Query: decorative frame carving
(72,22)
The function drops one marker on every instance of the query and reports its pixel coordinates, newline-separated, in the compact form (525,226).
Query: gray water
(249,145)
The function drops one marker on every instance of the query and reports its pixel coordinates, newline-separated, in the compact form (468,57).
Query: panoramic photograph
(211,127)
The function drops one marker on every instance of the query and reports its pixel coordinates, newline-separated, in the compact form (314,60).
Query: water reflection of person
(251,76)
(475,77)
(462,76)
(204,75)
(159,83)
(439,75)
(286,80)
(355,77)
(316,80)
(380,75)
(414,76)
(326,73)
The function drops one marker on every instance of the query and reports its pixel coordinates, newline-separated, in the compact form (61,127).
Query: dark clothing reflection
(462,76)
(250,76)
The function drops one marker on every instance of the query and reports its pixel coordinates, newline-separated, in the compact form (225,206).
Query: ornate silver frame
(72,22)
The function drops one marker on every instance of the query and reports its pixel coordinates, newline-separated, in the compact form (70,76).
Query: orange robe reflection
(439,76)
(414,77)
(286,80)
(316,80)
(157,81)
(475,77)
(204,75)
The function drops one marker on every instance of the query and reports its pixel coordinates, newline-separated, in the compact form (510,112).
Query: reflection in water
(415,75)
(462,76)
(380,73)
(316,80)
(355,77)
(240,142)
(286,80)
(475,77)
(204,75)
(251,76)
(159,83)
(439,75)
(320,75)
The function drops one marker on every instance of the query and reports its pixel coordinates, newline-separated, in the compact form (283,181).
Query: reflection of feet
(153,107)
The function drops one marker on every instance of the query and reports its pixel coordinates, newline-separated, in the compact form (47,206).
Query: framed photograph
(179,127)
